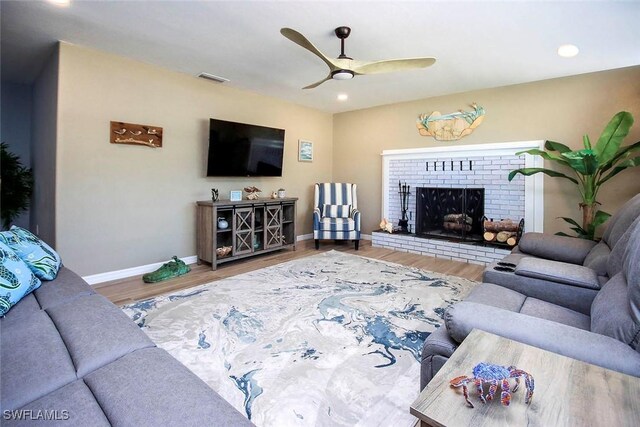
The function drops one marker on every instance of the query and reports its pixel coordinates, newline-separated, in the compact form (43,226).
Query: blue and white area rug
(328,340)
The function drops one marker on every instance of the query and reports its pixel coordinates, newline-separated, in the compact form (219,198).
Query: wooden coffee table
(567,392)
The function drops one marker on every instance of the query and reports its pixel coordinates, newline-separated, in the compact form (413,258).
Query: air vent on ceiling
(217,79)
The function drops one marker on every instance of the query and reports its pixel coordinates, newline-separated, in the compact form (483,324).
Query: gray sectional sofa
(565,270)
(601,327)
(70,355)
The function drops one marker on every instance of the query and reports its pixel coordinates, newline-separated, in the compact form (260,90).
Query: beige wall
(121,206)
(560,109)
(43,150)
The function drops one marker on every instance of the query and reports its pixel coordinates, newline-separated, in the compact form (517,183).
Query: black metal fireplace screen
(450,213)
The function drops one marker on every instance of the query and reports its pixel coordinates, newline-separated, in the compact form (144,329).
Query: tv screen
(239,149)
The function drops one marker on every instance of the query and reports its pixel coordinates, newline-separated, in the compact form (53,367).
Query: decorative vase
(222,223)
(281,193)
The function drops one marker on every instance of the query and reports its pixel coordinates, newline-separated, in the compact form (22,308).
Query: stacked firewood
(504,231)
(457,222)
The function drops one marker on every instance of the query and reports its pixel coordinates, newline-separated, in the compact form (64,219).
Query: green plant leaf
(620,154)
(583,161)
(581,231)
(17,186)
(556,146)
(587,142)
(562,233)
(629,163)
(533,171)
(600,218)
(570,221)
(612,135)
(543,154)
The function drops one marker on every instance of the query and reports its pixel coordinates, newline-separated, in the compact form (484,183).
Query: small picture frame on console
(235,196)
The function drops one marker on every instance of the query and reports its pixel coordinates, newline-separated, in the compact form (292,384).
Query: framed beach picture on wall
(305,151)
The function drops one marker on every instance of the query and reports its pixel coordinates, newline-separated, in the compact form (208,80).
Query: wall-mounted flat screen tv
(239,149)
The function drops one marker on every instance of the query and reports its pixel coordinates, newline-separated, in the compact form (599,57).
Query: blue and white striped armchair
(335,214)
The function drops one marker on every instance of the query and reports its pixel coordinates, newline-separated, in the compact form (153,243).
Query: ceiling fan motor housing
(342,74)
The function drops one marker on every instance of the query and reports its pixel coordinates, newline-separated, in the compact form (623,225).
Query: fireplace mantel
(533,193)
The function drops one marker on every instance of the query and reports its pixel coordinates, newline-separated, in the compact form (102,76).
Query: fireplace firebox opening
(450,213)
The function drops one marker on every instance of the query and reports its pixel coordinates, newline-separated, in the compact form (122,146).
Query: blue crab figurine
(494,375)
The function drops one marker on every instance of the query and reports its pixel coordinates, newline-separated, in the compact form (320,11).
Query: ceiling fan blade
(393,65)
(316,84)
(302,41)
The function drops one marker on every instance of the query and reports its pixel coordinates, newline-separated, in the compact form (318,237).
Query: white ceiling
(477,44)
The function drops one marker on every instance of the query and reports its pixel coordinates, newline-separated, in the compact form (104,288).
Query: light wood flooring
(132,289)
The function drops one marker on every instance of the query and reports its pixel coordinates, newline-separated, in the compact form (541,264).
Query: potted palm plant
(591,167)
(17,185)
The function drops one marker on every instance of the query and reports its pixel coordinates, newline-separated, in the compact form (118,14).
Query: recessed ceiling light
(343,97)
(568,50)
(60,2)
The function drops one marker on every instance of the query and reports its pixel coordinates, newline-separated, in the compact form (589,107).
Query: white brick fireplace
(462,166)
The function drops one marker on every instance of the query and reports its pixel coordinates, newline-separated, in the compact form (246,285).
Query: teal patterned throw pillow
(16,279)
(41,259)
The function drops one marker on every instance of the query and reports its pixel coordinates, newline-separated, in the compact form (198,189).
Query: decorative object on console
(235,195)
(386,225)
(281,193)
(593,166)
(253,193)
(450,127)
(403,191)
(223,224)
(134,134)
(215,195)
(305,151)
(274,194)
(497,376)
(223,251)
(174,268)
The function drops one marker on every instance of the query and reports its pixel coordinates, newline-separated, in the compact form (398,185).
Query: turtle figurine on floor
(169,270)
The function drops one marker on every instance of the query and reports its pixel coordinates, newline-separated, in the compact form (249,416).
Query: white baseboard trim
(94,279)
(310,236)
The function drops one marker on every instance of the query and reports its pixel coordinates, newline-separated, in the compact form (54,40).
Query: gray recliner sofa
(608,336)
(564,270)
(71,357)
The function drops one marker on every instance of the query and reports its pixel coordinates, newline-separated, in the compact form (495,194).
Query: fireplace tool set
(403,190)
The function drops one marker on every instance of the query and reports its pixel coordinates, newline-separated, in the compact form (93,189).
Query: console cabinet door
(273,226)
(243,221)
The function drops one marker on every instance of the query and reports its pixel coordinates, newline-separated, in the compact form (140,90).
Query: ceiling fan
(344,67)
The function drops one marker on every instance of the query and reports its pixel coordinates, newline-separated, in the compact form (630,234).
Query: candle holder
(403,191)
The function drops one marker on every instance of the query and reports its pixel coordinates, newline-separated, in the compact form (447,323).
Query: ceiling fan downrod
(342,33)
